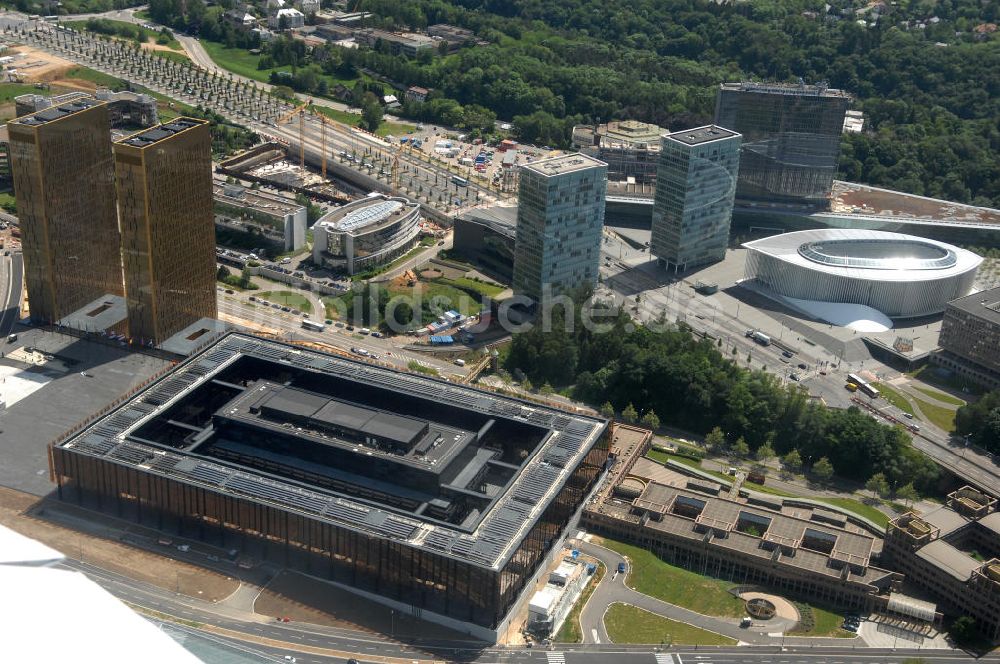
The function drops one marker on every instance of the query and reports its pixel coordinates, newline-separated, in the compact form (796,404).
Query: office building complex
(791,139)
(901,276)
(366,233)
(434,498)
(953,552)
(970,337)
(560,220)
(808,552)
(63,176)
(693,208)
(164,180)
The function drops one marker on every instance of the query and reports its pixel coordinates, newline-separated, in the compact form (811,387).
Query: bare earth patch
(105,552)
(307,599)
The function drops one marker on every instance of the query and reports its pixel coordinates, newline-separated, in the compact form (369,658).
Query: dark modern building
(164,180)
(953,552)
(434,498)
(560,222)
(693,208)
(63,176)
(486,237)
(970,337)
(791,139)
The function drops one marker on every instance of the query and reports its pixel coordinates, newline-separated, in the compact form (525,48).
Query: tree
(793,461)
(527,386)
(715,440)
(546,389)
(878,485)
(371,116)
(629,415)
(823,469)
(964,630)
(907,493)
(740,448)
(222,273)
(765,453)
(607,410)
(651,420)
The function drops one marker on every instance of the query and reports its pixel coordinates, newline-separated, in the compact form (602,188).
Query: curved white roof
(866,254)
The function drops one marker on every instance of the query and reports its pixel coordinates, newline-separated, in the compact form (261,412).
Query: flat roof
(944,556)
(257,200)
(563,164)
(700,135)
(799,89)
(781,529)
(984,305)
(944,519)
(54,113)
(147,137)
(850,198)
(565,440)
(194,336)
(103,313)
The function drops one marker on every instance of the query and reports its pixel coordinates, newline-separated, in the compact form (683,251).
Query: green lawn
(288,299)
(96,77)
(894,397)
(124,30)
(353,119)
(940,416)
(570,630)
(929,373)
(856,506)
(239,61)
(820,622)
(940,396)
(480,287)
(443,296)
(172,55)
(10,90)
(630,624)
(652,576)
(413,365)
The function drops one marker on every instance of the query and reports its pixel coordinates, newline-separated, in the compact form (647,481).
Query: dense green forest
(980,421)
(926,73)
(693,384)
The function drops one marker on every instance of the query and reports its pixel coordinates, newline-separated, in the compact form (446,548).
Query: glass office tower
(63,176)
(560,218)
(164,178)
(693,208)
(791,139)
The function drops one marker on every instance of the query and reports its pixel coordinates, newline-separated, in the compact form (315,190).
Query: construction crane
(301,112)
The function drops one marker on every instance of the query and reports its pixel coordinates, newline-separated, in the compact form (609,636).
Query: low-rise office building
(400,43)
(802,552)
(953,552)
(269,209)
(970,337)
(366,233)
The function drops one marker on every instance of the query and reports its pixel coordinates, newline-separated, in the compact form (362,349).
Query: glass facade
(693,207)
(345,241)
(560,220)
(791,139)
(63,177)
(168,231)
(397,570)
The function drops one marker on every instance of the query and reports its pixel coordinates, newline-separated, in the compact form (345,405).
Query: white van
(460,362)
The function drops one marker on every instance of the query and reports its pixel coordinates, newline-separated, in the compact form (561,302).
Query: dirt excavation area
(49,522)
(307,599)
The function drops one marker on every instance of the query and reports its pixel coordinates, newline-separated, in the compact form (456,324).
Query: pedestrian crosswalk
(664,659)
(555,657)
